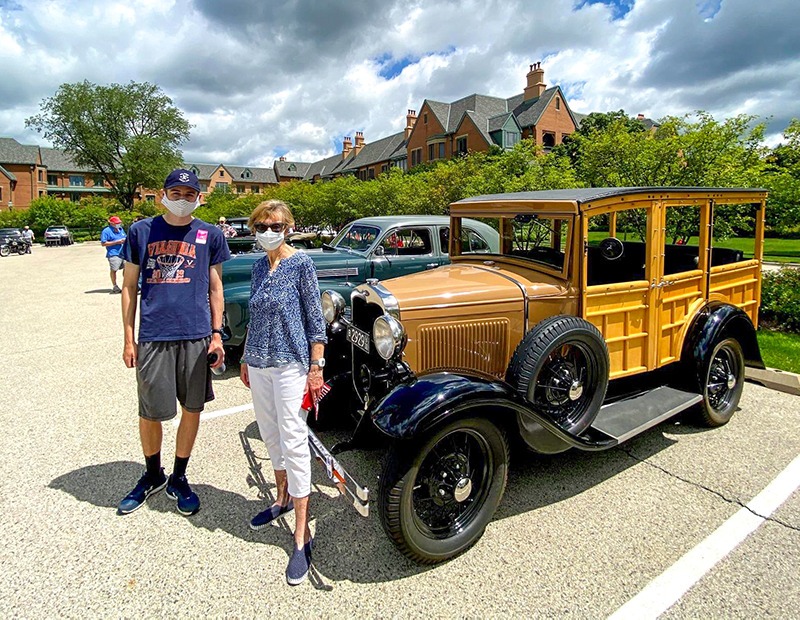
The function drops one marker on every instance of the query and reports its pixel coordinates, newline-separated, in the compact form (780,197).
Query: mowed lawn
(780,350)
(775,250)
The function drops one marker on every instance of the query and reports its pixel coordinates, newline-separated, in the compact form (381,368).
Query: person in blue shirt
(180,261)
(112,239)
(283,359)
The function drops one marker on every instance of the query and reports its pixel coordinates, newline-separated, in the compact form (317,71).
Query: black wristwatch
(218,331)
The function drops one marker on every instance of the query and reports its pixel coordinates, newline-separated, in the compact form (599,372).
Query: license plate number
(358,338)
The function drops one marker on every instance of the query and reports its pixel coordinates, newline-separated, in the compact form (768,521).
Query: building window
(558,103)
(99,182)
(246,174)
(425,118)
(75,198)
(195,170)
(292,167)
(203,187)
(461,145)
(510,138)
(371,173)
(1,193)
(255,189)
(52,179)
(436,151)
(548,139)
(384,168)
(416,157)
(221,187)
(75,180)
(41,176)
(222,173)
(240,189)
(402,164)
(441,150)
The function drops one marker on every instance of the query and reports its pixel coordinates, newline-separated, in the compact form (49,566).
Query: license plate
(358,337)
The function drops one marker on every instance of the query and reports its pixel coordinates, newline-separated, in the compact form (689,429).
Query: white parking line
(666,589)
(210,415)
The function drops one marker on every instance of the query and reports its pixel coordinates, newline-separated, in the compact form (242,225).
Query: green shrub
(780,300)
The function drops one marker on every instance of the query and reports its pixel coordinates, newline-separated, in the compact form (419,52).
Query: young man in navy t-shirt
(180,261)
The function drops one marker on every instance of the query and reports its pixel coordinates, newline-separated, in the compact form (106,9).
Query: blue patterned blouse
(285,313)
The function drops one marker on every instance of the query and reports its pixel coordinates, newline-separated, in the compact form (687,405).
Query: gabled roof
(257,175)
(12,152)
(7,174)
(292,169)
(327,167)
(57,160)
(529,113)
(203,171)
(376,152)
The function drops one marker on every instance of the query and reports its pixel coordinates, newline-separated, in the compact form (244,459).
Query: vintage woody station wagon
(605,312)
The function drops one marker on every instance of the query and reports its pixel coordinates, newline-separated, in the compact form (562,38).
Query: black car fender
(414,408)
(717,320)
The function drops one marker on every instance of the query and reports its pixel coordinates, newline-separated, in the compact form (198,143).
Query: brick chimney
(347,146)
(536,85)
(359,142)
(282,158)
(640,117)
(411,119)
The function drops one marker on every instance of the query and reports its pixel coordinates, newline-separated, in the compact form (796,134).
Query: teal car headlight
(388,335)
(332,306)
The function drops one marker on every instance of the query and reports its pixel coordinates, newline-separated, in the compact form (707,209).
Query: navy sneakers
(265,517)
(143,489)
(187,501)
(299,564)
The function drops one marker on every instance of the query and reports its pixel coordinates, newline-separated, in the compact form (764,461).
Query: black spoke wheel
(437,496)
(561,369)
(722,382)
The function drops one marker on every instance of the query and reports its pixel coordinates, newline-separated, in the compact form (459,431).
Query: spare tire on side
(561,368)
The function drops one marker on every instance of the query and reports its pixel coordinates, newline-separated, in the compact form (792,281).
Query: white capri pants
(277,396)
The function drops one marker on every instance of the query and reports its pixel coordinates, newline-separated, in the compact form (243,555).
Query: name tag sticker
(202,236)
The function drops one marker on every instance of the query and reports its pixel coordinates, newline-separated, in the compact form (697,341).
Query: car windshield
(542,239)
(56,228)
(8,231)
(358,237)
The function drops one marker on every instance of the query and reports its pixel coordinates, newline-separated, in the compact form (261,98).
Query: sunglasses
(276,227)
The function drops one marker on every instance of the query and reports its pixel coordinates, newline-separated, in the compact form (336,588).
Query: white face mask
(270,240)
(180,208)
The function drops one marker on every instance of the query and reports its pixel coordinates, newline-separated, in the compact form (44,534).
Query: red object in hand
(309,404)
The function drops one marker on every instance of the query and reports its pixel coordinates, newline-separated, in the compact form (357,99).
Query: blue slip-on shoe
(265,517)
(299,564)
(187,501)
(143,489)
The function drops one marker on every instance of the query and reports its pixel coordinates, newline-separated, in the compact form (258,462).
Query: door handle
(664,283)
(431,266)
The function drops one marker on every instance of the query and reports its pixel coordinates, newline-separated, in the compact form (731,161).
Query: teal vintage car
(374,247)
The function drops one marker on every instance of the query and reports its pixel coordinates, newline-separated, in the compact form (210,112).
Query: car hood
(468,284)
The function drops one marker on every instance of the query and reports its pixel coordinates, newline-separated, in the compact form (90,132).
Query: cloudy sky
(263,78)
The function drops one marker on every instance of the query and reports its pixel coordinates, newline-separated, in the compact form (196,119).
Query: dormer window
(194,170)
(247,174)
(292,167)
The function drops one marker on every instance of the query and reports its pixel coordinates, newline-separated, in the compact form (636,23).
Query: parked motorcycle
(13,245)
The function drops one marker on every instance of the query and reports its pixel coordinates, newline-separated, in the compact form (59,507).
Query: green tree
(129,133)
(783,181)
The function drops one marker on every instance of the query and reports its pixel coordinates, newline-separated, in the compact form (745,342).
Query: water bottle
(212,357)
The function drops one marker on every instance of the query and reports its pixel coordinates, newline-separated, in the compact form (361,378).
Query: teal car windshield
(358,237)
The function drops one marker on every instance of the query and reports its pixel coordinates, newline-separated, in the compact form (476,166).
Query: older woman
(283,358)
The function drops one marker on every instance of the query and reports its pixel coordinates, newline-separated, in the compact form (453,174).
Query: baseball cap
(114,220)
(182,177)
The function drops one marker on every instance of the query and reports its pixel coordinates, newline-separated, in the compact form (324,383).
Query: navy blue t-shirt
(174,263)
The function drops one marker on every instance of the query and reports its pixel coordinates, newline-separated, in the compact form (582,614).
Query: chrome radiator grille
(468,345)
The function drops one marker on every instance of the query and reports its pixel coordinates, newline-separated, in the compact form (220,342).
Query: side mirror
(379,251)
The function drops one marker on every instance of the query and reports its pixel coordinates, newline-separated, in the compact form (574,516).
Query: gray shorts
(116,263)
(169,371)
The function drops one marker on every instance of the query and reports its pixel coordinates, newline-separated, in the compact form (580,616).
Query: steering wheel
(611,248)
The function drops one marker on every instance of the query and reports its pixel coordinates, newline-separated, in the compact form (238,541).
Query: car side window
(471,242)
(407,242)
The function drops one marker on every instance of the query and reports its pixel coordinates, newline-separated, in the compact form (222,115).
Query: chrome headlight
(332,306)
(388,335)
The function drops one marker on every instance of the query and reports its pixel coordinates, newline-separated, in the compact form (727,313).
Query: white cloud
(260,79)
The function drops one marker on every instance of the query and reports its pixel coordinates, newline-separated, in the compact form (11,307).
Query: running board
(337,474)
(627,418)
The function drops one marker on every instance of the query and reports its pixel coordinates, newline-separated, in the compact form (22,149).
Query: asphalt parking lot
(577,535)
